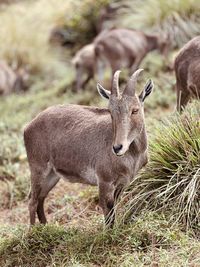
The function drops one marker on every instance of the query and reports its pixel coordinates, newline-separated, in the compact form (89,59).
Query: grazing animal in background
(126,48)
(96,146)
(187,70)
(84,63)
(10,80)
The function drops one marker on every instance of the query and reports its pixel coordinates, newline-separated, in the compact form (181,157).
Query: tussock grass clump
(171,180)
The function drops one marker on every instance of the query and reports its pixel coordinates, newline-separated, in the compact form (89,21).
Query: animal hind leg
(182,99)
(34,194)
(48,184)
(194,92)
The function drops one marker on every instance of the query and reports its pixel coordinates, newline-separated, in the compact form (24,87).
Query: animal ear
(147,90)
(102,91)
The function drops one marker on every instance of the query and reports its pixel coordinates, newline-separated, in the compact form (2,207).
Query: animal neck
(152,42)
(139,144)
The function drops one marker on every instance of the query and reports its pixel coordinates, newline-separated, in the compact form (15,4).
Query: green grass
(164,96)
(150,235)
(149,239)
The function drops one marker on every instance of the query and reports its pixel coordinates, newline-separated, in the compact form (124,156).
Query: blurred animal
(96,146)
(187,71)
(126,48)
(10,80)
(85,63)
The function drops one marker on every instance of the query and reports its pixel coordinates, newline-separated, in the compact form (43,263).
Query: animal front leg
(106,201)
(79,74)
(135,64)
(118,191)
(182,99)
(88,78)
(100,69)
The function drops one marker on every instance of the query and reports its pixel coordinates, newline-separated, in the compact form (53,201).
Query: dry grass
(26,36)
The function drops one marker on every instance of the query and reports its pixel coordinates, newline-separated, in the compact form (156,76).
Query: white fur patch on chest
(90,176)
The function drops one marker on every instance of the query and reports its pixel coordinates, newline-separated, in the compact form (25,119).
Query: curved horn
(130,87)
(115,83)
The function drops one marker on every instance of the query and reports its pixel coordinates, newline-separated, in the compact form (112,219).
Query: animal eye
(135,111)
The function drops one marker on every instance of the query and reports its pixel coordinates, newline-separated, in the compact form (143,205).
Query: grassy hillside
(158,215)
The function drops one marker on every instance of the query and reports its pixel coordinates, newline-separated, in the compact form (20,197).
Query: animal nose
(117,148)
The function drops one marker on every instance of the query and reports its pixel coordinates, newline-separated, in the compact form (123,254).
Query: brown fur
(187,69)
(84,63)
(117,47)
(126,48)
(75,142)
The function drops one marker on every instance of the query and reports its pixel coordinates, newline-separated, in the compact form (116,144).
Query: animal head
(126,109)
(84,57)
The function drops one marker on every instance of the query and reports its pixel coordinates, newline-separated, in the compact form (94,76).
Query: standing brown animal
(126,48)
(85,63)
(187,70)
(104,147)
(10,80)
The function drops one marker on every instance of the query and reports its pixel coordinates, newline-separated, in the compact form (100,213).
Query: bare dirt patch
(67,204)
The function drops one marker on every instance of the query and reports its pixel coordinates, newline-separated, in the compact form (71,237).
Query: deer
(10,80)
(187,69)
(104,147)
(126,48)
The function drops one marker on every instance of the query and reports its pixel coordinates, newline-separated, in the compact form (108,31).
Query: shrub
(82,27)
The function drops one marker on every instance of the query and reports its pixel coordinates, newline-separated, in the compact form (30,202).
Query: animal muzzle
(120,142)
(119,150)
